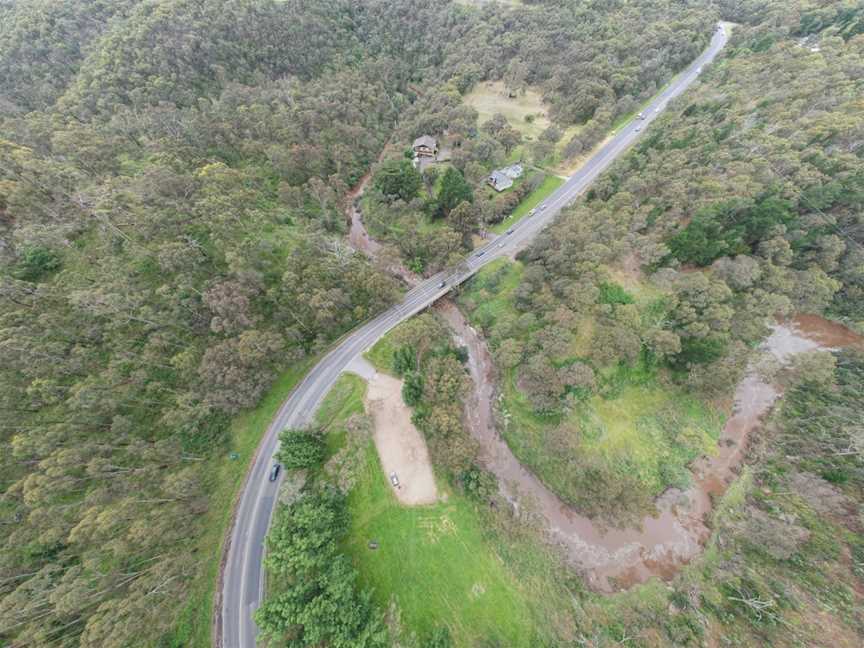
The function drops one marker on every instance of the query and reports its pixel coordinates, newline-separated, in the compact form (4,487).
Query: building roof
(500,180)
(514,171)
(426,140)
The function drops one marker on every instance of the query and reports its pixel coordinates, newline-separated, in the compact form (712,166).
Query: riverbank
(615,559)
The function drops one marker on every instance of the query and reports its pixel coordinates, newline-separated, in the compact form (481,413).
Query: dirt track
(401,447)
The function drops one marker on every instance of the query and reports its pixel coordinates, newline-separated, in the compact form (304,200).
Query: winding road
(241,586)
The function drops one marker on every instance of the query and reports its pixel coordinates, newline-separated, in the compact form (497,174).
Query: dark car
(274,472)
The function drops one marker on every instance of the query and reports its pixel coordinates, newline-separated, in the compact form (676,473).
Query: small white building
(513,171)
(499,181)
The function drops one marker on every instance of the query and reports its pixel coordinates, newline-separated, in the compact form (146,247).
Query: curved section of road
(242,582)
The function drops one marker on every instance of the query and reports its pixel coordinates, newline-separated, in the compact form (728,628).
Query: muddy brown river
(615,559)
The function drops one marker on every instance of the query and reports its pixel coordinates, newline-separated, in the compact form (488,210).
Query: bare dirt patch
(401,447)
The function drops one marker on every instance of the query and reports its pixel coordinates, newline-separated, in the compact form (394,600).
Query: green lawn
(550,184)
(434,562)
(225,478)
(381,354)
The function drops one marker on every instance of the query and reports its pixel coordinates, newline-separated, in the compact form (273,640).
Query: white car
(394,480)
(638,128)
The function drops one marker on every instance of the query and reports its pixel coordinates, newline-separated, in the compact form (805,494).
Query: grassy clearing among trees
(434,562)
(622,437)
(441,565)
(491,97)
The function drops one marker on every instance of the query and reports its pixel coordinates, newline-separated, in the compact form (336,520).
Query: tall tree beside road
(454,191)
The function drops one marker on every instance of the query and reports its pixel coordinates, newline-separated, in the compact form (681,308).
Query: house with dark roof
(425,146)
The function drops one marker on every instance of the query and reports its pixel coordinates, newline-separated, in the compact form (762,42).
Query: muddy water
(359,239)
(615,559)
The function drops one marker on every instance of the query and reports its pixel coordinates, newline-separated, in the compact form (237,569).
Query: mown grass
(225,476)
(344,400)
(381,354)
(434,563)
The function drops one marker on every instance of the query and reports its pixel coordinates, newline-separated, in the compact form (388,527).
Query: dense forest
(172,184)
(173,180)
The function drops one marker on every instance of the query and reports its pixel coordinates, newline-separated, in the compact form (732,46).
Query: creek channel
(614,559)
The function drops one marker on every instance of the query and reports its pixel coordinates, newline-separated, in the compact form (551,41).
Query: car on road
(394,480)
(532,212)
(480,253)
(500,245)
(442,283)
(641,115)
(638,128)
(510,231)
(657,109)
(698,70)
(274,472)
(543,206)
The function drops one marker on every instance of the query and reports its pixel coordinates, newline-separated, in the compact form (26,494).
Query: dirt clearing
(401,447)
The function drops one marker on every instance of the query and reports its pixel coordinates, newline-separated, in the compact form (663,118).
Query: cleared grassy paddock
(434,563)
(490,97)
(442,565)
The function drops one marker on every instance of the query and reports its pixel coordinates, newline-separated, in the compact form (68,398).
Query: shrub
(300,449)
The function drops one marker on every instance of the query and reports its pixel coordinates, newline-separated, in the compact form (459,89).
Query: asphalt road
(242,585)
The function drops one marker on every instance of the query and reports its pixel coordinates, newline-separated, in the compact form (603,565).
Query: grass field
(344,400)
(550,184)
(490,97)
(435,564)
(226,476)
(645,433)
(381,354)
